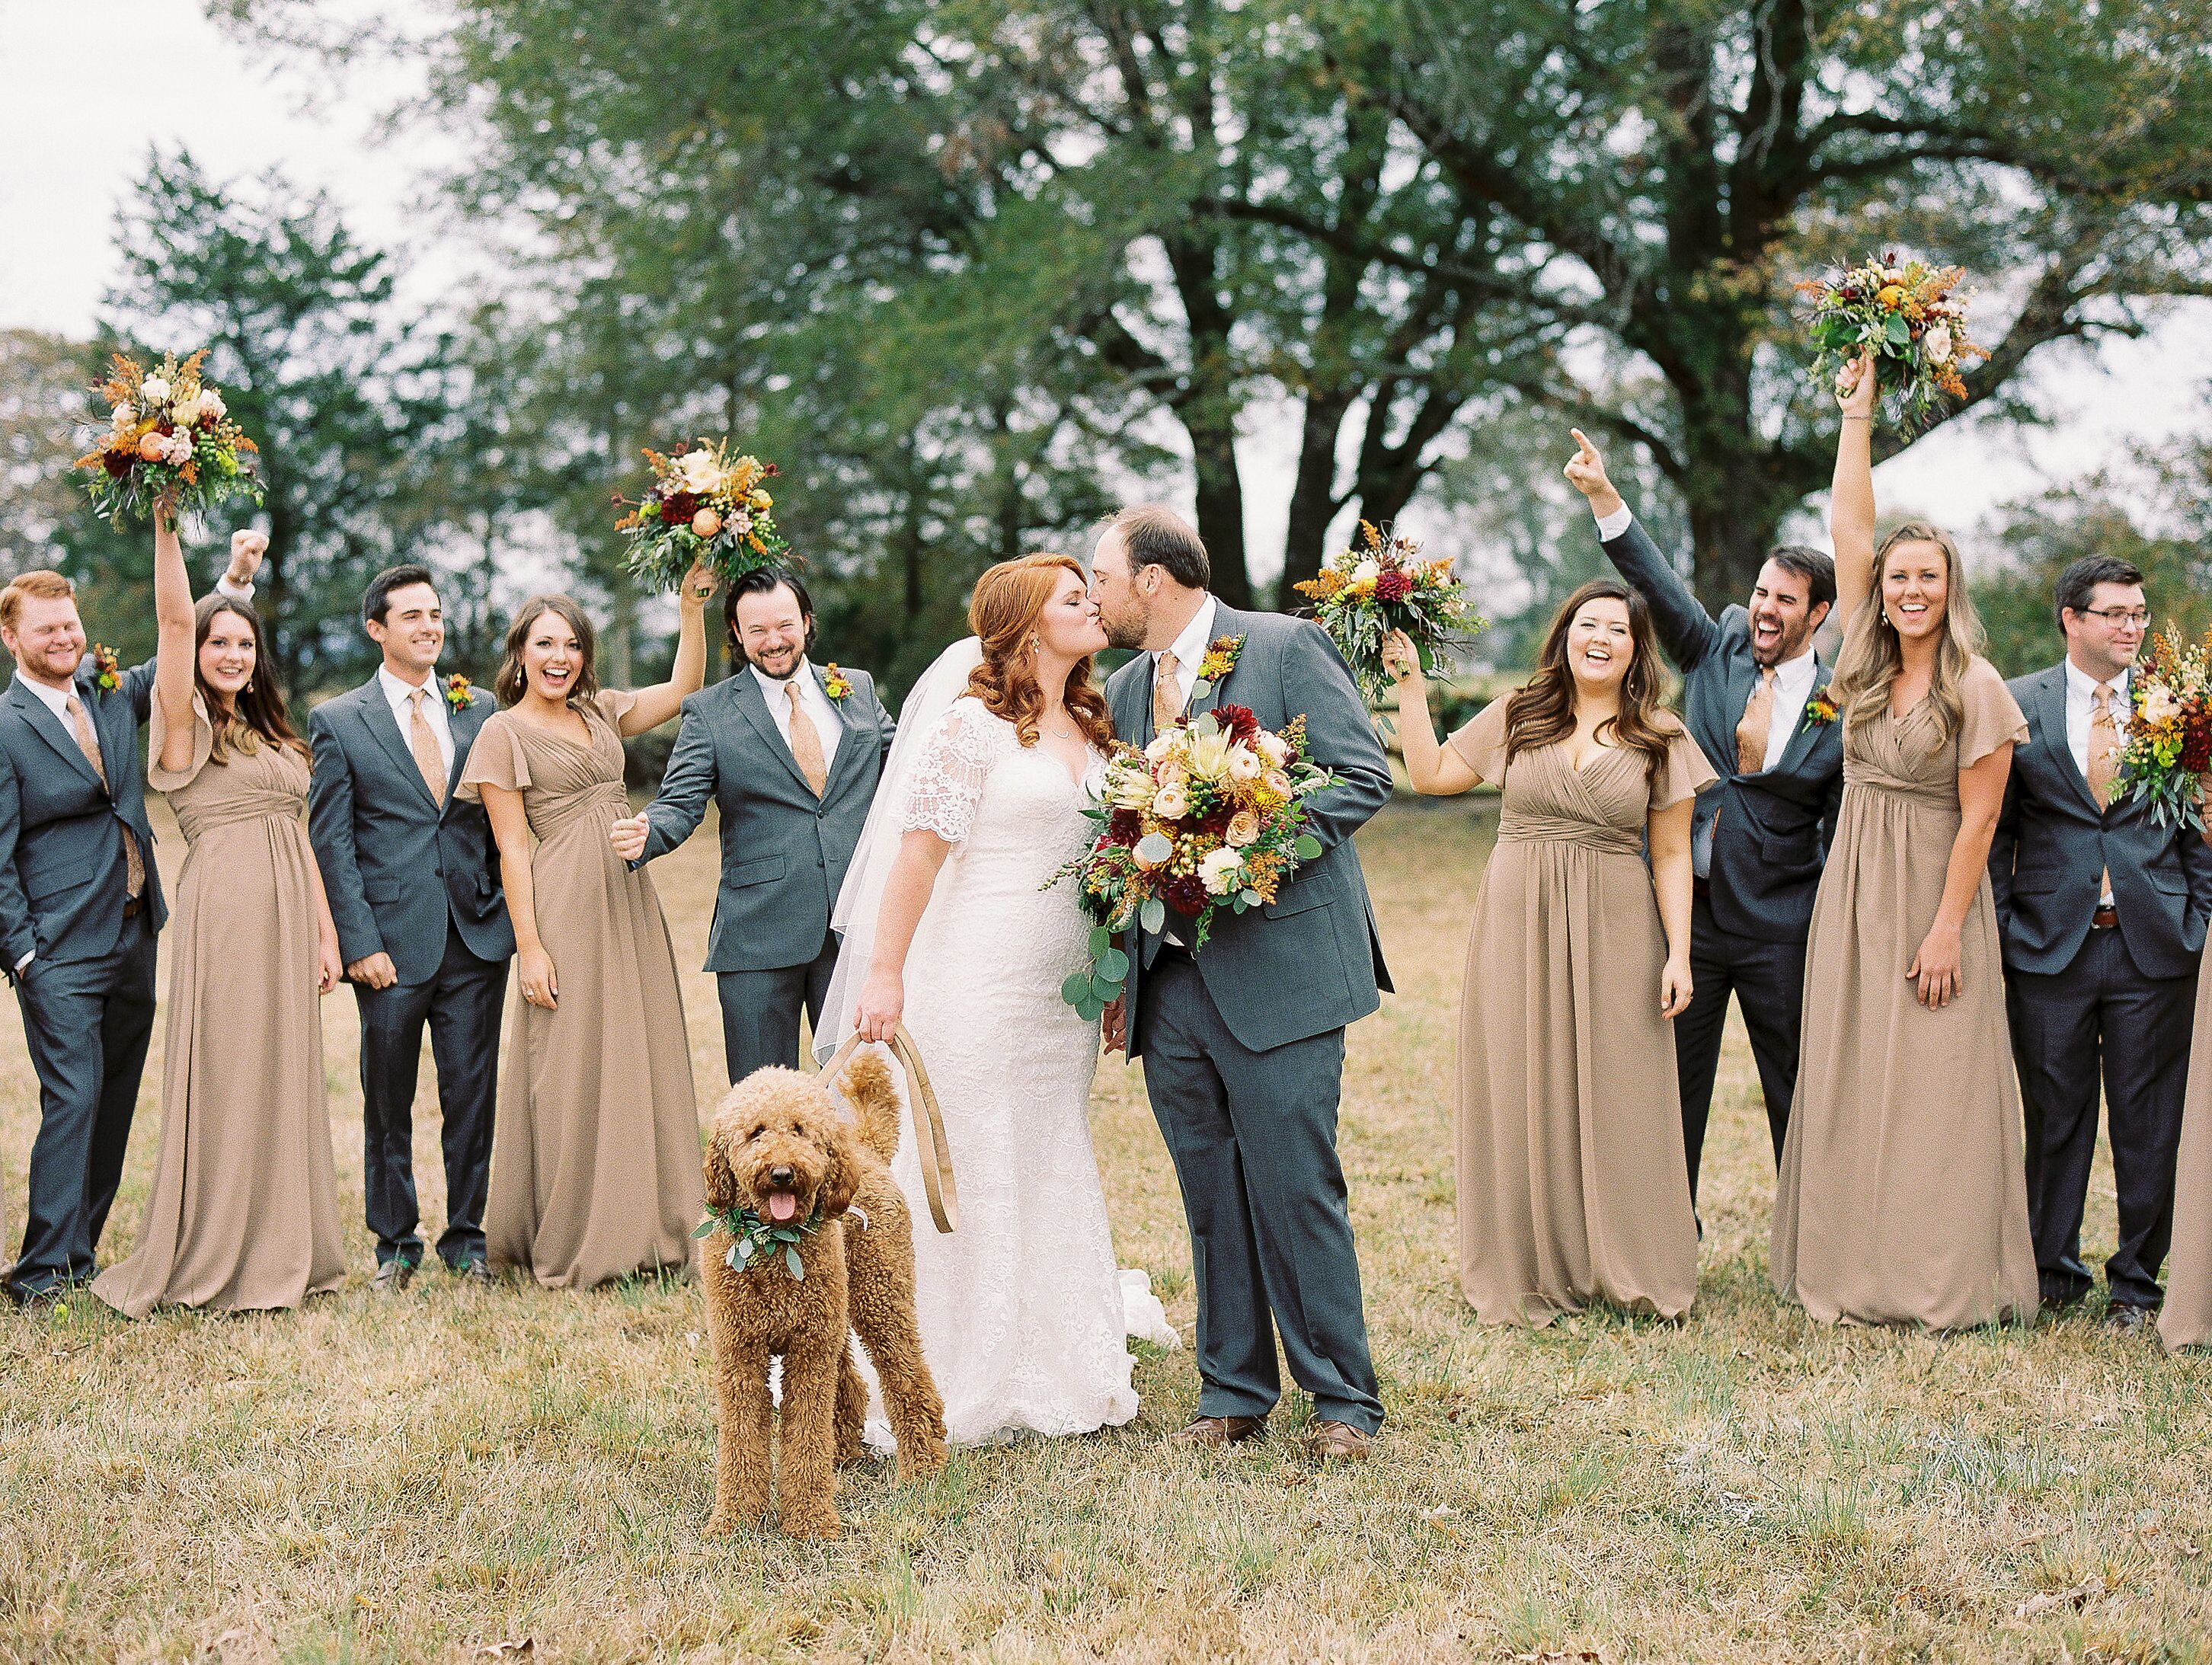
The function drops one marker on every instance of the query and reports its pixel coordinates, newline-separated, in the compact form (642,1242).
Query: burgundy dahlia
(1126,826)
(1394,587)
(1186,894)
(1237,721)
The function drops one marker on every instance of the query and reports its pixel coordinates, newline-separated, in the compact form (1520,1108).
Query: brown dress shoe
(392,1277)
(1338,1442)
(1207,1432)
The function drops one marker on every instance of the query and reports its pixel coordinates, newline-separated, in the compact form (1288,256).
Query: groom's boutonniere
(1820,710)
(1221,655)
(106,677)
(459,692)
(756,1241)
(835,683)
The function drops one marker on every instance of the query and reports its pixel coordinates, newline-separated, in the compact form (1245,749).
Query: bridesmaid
(1903,1196)
(1572,1185)
(2185,1320)
(595,1169)
(244,1213)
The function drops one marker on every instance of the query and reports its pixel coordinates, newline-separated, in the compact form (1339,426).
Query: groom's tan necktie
(134,861)
(2104,765)
(806,743)
(1167,694)
(423,741)
(1751,733)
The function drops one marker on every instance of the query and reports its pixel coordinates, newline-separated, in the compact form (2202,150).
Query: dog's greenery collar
(756,1240)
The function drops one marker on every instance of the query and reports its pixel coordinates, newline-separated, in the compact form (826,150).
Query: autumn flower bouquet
(170,448)
(2169,746)
(1210,815)
(1380,584)
(704,507)
(1912,315)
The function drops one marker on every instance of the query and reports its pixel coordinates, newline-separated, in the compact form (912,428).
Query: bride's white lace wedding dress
(1023,1316)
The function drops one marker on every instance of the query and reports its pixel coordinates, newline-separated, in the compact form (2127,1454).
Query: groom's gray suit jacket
(1310,961)
(784,851)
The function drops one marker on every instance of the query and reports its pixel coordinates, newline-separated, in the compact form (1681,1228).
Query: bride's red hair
(1008,598)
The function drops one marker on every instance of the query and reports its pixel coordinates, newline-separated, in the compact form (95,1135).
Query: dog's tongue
(782,1207)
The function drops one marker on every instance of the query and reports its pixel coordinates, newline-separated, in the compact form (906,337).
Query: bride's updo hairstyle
(1008,599)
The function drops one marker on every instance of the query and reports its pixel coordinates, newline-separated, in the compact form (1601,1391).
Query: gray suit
(784,852)
(2078,996)
(1243,1051)
(1768,836)
(418,881)
(88,997)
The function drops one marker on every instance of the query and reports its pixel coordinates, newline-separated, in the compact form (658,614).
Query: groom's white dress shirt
(400,697)
(1190,649)
(2082,711)
(819,706)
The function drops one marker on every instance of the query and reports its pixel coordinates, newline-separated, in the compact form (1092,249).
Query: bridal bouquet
(2169,746)
(1380,584)
(1913,315)
(1210,815)
(704,506)
(170,448)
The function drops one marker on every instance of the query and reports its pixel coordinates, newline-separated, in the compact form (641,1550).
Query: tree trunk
(1313,498)
(1212,429)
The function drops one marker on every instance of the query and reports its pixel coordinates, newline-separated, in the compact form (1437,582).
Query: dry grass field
(491,1475)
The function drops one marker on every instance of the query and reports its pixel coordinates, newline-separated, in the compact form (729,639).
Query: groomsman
(791,757)
(413,881)
(80,906)
(2103,914)
(1761,831)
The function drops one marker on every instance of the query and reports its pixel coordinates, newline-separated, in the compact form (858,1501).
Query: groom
(1244,1041)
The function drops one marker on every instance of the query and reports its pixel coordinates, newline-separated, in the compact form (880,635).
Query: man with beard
(1761,831)
(792,756)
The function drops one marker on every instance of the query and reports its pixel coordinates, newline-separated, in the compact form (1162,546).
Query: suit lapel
(847,756)
(51,729)
(2050,717)
(1804,736)
(377,712)
(754,704)
(462,725)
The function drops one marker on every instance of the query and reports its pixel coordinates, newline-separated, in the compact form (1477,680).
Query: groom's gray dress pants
(1252,1135)
(760,1009)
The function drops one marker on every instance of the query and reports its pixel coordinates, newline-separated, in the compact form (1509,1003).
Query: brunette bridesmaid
(2185,1319)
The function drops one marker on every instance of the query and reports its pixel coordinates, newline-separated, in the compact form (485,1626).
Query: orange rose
(1244,828)
(152,448)
(706,523)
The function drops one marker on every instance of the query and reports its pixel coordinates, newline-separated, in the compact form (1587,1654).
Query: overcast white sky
(88,86)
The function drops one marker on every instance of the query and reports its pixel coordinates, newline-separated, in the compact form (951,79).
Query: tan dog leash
(929,1141)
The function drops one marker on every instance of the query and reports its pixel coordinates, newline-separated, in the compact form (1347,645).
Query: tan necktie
(1751,733)
(806,743)
(2104,765)
(423,741)
(134,863)
(1167,701)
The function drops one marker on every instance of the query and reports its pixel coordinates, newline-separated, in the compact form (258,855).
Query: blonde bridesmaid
(1572,1185)
(244,1213)
(595,1169)
(2185,1319)
(1903,1195)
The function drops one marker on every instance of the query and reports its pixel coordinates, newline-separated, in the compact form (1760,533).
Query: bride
(948,926)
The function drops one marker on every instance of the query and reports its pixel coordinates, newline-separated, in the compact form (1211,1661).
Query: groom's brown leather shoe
(1207,1432)
(1338,1442)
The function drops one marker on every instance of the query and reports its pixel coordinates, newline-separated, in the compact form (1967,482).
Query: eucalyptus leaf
(791,1260)
(1090,1010)
(1250,898)
(736,1258)
(1073,990)
(704,1229)
(1154,847)
(1113,966)
(1307,847)
(1101,940)
(1154,915)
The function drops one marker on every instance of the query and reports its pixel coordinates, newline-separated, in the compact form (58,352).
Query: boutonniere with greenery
(1820,710)
(1221,656)
(835,683)
(459,692)
(756,1241)
(106,677)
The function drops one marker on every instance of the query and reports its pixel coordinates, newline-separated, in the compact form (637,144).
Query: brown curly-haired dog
(780,1147)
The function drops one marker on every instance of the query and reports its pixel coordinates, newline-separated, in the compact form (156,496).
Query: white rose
(1366,572)
(1171,803)
(124,416)
(1219,871)
(186,410)
(180,449)
(154,389)
(2160,706)
(1244,764)
(211,405)
(1937,341)
(1162,744)
(699,471)
(1273,747)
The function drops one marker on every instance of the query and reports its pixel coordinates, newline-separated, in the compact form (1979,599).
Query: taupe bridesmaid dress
(1903,1194)
(1572,1183)
(2185,1320)
(595,1156)
(244,1213)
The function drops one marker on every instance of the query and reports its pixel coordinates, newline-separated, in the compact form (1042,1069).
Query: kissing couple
(950,924)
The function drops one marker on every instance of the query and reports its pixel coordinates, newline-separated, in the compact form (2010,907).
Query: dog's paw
(723,1526)
(918,1461)
(820,1526)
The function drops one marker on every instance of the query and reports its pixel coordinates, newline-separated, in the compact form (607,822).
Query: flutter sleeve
(948,780)
(1991,718)
(495,760)
(169,779)
(614,704)
(1480,742)
(1684,775)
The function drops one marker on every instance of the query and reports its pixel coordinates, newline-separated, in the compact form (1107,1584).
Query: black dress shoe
(40,1299)
(2130,1318)
(392,1277)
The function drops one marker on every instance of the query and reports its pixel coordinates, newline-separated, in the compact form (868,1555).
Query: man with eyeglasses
(2103,914)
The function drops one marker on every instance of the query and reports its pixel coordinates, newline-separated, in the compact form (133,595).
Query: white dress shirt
(400,696)
(1190,649)
(2082,711)
(827,723)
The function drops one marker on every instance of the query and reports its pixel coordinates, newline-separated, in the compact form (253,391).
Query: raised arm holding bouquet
(171,451)
(1911,317)
(1380,584)
(706,509)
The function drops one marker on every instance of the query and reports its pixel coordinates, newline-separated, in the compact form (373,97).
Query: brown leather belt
(130,907)
(2104,919)
(1702,887)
